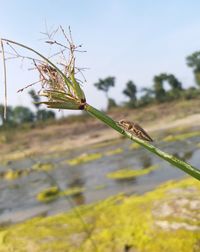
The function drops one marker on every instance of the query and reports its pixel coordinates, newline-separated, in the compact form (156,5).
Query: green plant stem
(194,172)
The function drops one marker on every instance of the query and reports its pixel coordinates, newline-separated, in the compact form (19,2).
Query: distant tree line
(21,114)
(158,92)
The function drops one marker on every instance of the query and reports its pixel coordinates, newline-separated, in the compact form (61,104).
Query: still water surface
(18,197)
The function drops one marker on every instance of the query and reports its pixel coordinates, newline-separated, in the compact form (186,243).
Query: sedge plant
(63,90)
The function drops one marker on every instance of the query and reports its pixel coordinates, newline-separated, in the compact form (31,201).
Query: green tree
(130,91)
(41,114)
(9,116)
(22,114)
(174,83)
(191,93)
(44,114)
(176,87)
(146,97)
(193,61)
(160,93)
(35,98)
(111,103)
(105,84)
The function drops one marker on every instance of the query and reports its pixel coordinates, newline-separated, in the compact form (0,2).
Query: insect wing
(141,133)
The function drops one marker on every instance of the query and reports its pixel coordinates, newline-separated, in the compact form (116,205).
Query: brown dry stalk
(5,80)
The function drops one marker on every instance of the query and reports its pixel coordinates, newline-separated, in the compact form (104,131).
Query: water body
(18,197)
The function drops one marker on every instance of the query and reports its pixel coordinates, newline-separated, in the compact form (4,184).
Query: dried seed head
(51,79)
(60,86)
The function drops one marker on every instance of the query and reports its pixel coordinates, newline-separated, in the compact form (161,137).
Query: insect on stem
(135,129)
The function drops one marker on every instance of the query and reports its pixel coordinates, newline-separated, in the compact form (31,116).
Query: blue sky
(131,40)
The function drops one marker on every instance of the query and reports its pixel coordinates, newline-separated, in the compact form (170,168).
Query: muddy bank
(68,136)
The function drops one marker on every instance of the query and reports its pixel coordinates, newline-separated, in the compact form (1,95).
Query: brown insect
(135,129)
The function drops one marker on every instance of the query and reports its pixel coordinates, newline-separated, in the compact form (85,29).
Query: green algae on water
(11,174)
(84,158)
(73,191)
(114,152)
(48,195)
(128,173)
(88,157)
(43,166)
(119,221)
(53,193)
